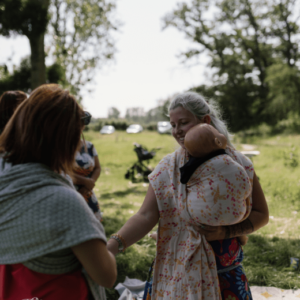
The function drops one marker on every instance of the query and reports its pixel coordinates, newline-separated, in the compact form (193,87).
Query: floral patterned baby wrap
(185,266)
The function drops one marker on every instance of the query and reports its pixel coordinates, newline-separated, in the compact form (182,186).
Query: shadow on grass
(124,193)
(116,205)
(267,262)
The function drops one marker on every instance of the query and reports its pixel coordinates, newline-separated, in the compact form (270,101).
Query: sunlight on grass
(268,252)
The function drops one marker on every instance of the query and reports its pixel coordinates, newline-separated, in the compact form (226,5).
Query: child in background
(87,170)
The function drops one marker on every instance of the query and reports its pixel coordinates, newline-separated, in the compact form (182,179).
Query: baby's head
(203,139)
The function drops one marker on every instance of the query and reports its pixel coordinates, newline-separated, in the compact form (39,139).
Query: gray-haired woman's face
(182,120)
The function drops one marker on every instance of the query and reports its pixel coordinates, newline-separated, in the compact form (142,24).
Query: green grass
(268,252)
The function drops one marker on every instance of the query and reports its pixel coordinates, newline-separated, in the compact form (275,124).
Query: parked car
(107,129)
(134,128)
(164,127)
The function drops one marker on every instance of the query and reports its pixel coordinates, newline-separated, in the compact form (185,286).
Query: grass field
(268,252)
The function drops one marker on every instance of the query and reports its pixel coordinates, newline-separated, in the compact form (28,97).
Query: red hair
(45,129)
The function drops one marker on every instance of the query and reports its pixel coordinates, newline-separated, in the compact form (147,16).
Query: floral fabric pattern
(233,281)
(85,164)
(185,266)
(219,192)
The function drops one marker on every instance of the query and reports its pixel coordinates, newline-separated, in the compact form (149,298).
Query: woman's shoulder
(89,144)
(172,156)
(91,149)
(63,194)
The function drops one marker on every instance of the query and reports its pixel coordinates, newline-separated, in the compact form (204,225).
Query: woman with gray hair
(193,260)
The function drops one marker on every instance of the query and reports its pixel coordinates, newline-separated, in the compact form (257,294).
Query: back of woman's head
(45,129)
(9,101)
(199,107)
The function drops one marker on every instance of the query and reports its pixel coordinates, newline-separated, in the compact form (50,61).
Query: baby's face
(202,139)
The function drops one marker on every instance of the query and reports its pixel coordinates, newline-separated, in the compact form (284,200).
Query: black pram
(139,170)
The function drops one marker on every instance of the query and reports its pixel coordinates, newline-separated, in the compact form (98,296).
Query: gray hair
(199,107)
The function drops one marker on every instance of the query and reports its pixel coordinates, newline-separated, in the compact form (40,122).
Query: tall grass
(268,252)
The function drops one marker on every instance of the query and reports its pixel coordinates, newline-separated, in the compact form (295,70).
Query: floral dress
(186,265)
(85,164)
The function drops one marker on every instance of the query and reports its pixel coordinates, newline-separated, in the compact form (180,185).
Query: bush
(286,126)
(151,126)
(119,124)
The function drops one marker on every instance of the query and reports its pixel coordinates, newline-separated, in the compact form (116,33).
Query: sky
(146,67)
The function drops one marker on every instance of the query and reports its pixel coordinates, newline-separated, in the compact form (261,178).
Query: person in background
(87,170)
(182,270)
(9,101)
(52,245)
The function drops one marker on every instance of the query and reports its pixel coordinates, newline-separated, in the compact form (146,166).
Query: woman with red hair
(52,245)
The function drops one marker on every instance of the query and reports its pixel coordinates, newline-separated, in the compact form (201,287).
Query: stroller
(139,170)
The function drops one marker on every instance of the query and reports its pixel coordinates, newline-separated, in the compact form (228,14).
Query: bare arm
(258,218)
(139,224)
(80,180)
(99,263)
(89,183)
(97,169)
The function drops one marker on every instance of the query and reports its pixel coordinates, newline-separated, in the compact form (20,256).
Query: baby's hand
(243,239)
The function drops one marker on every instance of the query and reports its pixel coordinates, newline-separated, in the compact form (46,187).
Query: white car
(134,128)
(107,129)
(164,127)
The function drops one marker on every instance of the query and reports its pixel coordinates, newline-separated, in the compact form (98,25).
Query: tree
(113,113)
(82,40)
(135,114)
(243,39)
(79,35)
(19,78)
(284,83)
(29,18)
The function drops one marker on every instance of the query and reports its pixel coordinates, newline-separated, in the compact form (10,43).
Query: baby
(218,187)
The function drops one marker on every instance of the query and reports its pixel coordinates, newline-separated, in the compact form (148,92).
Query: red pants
(17,282)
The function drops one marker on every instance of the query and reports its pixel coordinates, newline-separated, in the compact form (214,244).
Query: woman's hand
(243,239)
(214,233)
(211,233)
(153,235)
(89,183)
(113,246)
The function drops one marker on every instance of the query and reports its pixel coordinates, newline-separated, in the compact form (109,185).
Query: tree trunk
(38,68)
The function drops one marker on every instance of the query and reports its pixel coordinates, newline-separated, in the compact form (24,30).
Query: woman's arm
(97,169)
(259,217)
(99,263)
(89,183)
(81,180)
(139,224)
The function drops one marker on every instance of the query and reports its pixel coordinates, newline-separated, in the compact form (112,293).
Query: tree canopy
(78,35)
(82,39)
(113,113)
(244,40)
